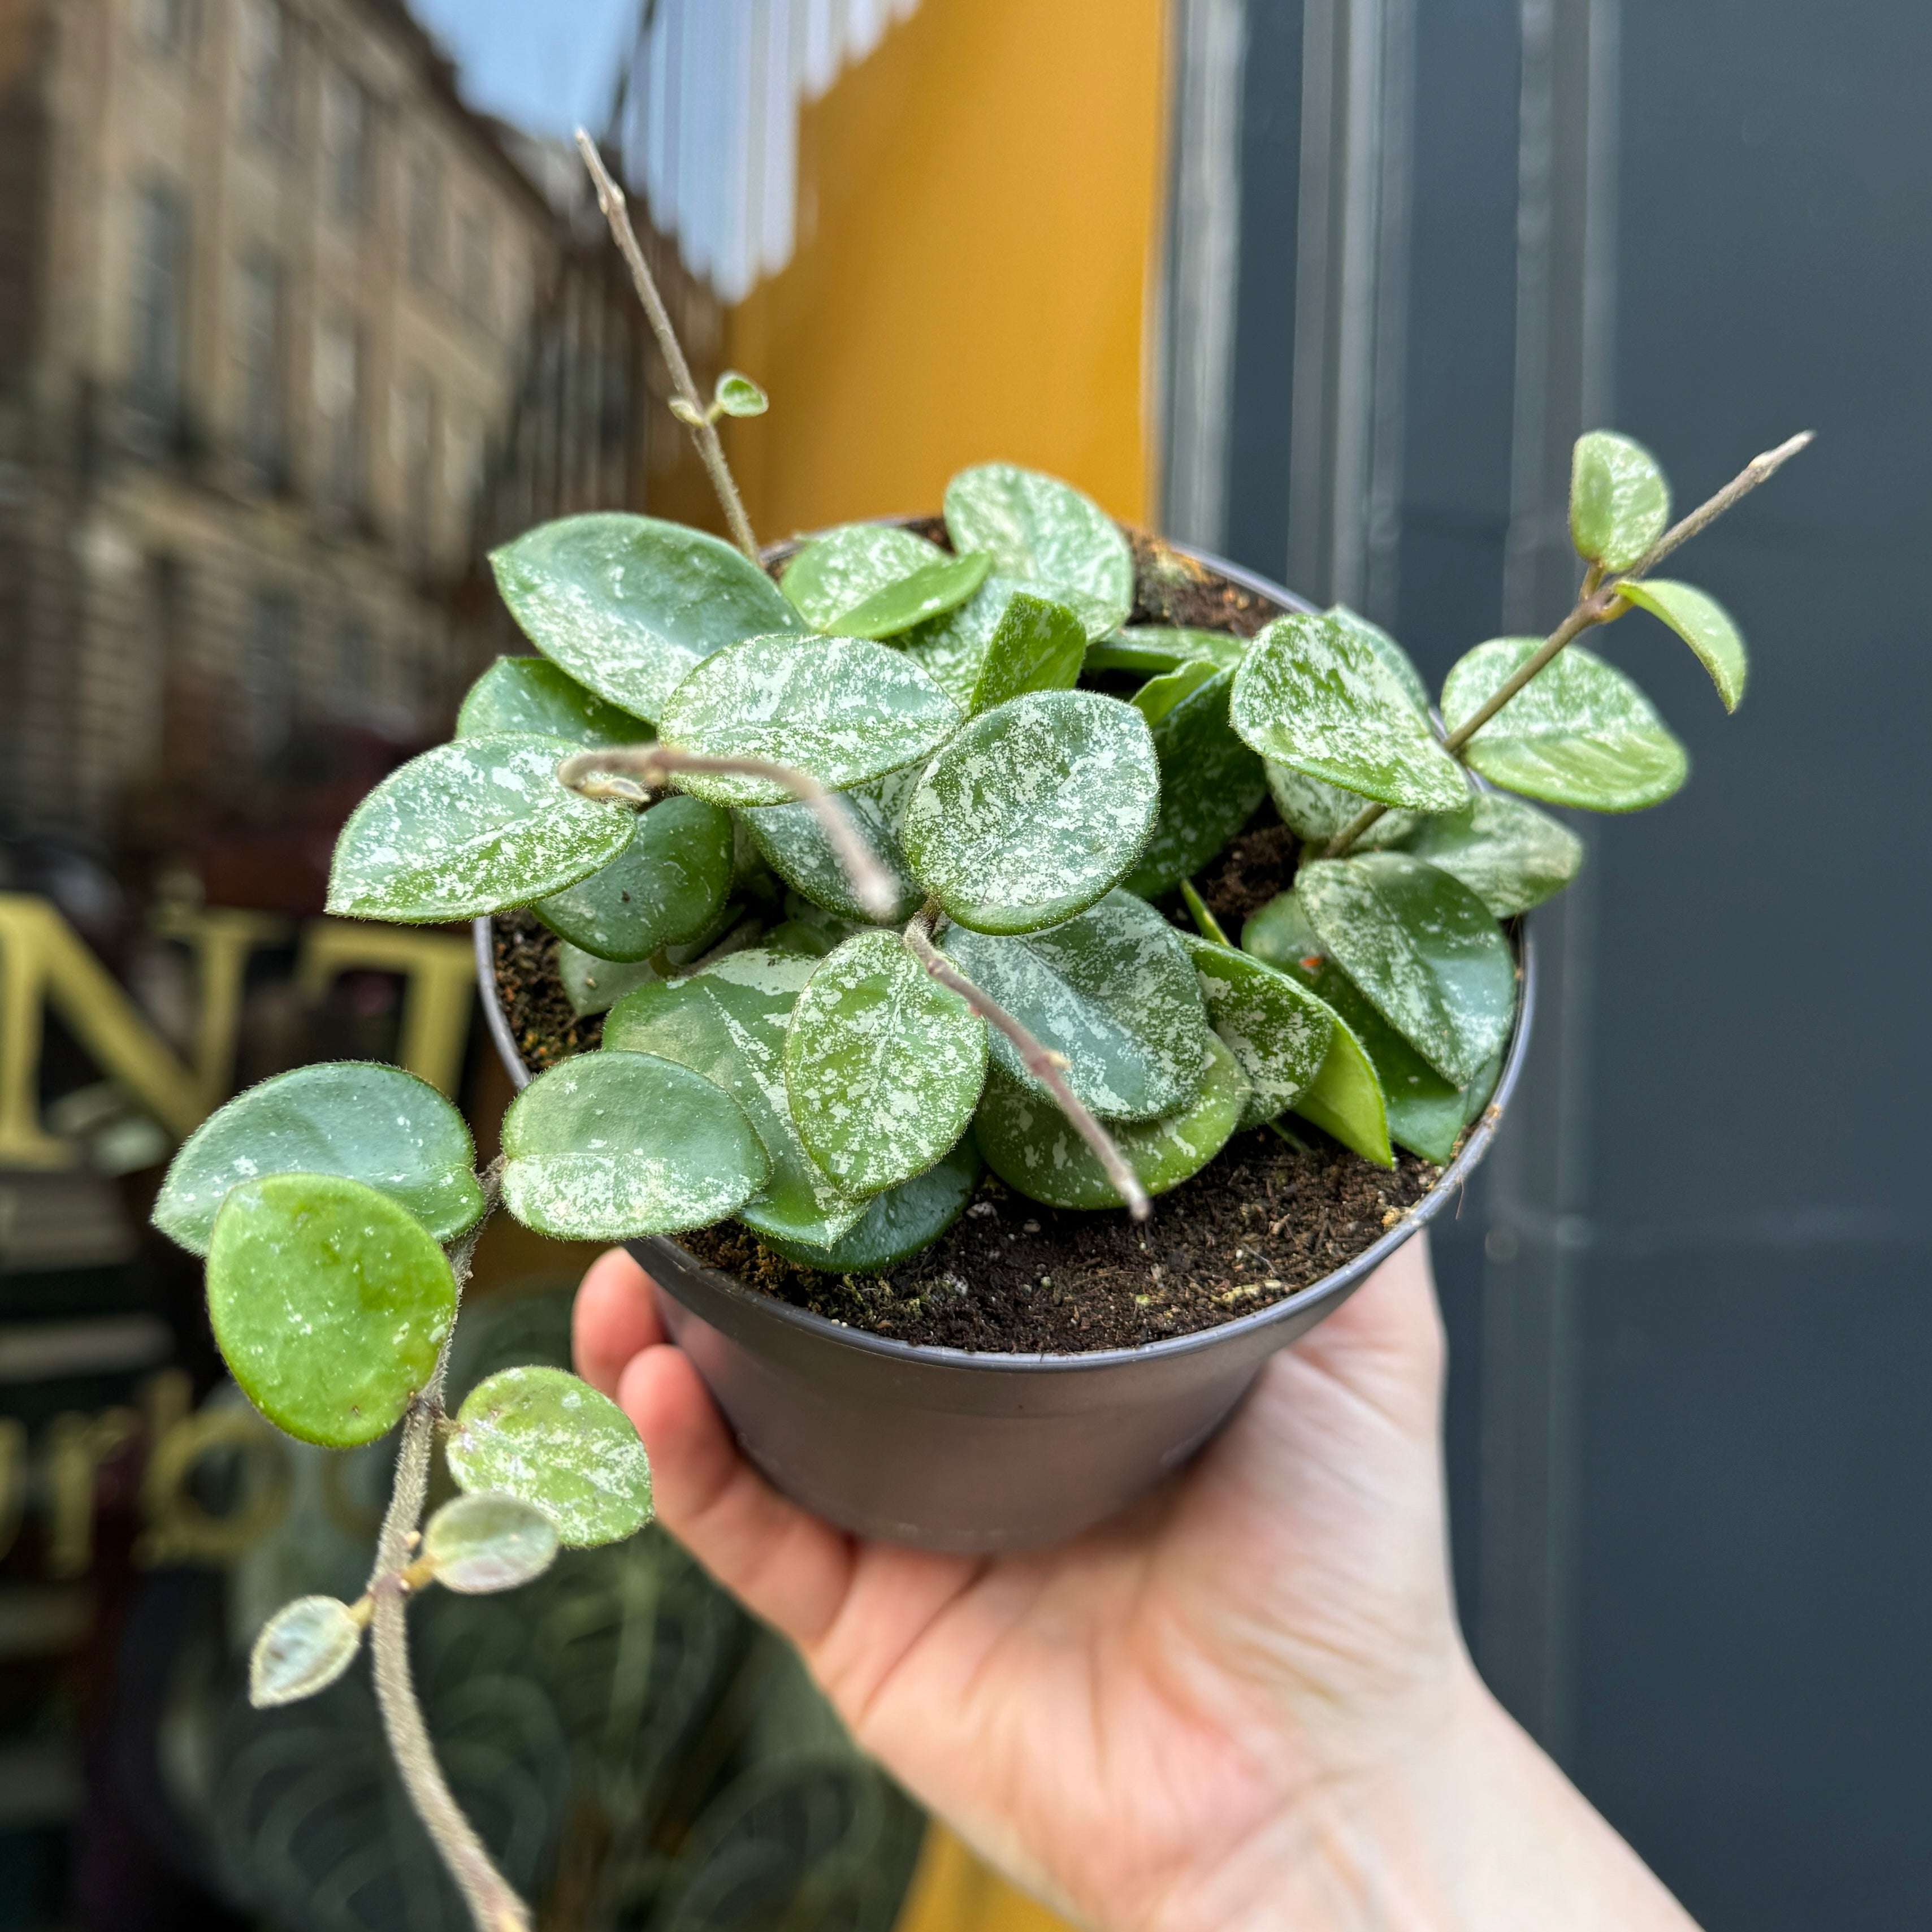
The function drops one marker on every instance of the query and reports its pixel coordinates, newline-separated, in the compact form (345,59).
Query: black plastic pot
(947,1449)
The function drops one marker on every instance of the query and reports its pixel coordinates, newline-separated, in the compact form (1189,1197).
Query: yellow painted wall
(979,206)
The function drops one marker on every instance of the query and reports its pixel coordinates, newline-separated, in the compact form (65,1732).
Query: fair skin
(1244,1705)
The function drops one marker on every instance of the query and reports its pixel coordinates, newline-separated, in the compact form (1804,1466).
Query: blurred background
(303,306)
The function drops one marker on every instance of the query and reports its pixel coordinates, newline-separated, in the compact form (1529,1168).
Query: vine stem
(1598,603)
(1045,1066)
(493,1902)
(615,207)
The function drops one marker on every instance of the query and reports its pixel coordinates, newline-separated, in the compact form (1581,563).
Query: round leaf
(1279,1033)
(1394,659)
(844,710)
(728,1024)
(1314,695)
(1509,854)
(1619,503)
(1034,810)
(470,828)
(1704,624)
(330,1303)
(883,1065)
(610,1146)
(1210,782)
(792,841)
(627,604)
(531,694)
(1111,989)
(874,580)
(303,1648)
(547,1439)
(1147,650)
(1044,532)
(898,1223)
(737,395)
(1579,733)
(1423,947)
(668,885)
(1005,641)
(375,1124)
(1029,1143)
(1314,810)
(594,985)
(484,1542)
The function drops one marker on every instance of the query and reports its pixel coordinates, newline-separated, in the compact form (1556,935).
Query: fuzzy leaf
(1619,503)
(483,1543)
(594,985)
(728,1023)
(1509,854)
(1314,810)
(1005,641)
(668,885)
(1210,782)
(1112,990)
(1347,1100)
(533,695)
(1395,660)
(874,581)
(329,1302)
(610,1146)
(792,841)
(883,1065)
(844,710)
(1704,624)
(1034,810)
(628,605)
(1045,532)
(898,1223)
(1148,650)
(737,395)
(469,828)
(1314,695)
(375,1124)
(1579,733)
(303,1648)
(1423,947)
(1279,1033)
(1029,1143)
(547,1439)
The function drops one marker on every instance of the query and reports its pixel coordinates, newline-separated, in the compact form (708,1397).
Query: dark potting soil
(545,1026)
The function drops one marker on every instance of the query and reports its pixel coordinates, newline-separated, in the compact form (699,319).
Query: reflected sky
(545,66)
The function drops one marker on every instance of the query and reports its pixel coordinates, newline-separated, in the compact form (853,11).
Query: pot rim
(1451,1182)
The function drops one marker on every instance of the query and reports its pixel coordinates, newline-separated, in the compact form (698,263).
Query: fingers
(616,1317)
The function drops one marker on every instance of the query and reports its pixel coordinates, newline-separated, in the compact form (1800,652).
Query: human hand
(1243,1703)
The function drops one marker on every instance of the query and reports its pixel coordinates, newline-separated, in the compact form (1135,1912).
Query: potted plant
(901,878)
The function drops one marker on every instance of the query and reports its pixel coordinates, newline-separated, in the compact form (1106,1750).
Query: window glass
(338,404)
(259,340)
(345,120)
(159,283)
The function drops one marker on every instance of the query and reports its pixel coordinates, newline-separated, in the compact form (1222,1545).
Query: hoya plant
(876,864)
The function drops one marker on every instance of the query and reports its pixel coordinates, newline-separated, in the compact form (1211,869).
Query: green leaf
(470,828)
(668,885)
(594,985)
(1619,503)
(1279,1033)
(628,605)
(737,395)
(1112,990)
(532,695)
(1030,1143)
(1314,695)
(1034,810)
(1005,641)
(484,1542)
(874,581)
(844,710)
(1704,624)
(1425,949)
(1314,810)
(883,1065)
(1509,854)
(547,1439)
(792,841)
(1346,1100)
(1146,650)
(898,1223)
(1044,532)
(613,1145)
(330,1302)
(303,1648)
(1210,782)
(1394,659)
(799,939)
(1579,733)
(728,1023)
(375,1124)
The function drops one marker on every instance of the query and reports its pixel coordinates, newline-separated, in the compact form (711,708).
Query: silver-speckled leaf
(1044,532)
(1279,1033)
(1148,650)
(883,1065)
(898,1223)
(1619,501)
(1509,854)
(1112,990)
(1395,660)
(594,985)
(628,605)
(531,694)
(472,827)
(1311,808)
(485,1543)
(1211,782)
(1704,624)
(607,1147)
(667,886)
(303,1648)
(843,709)
(1579,733)
(874,581)
(1034,810)
(1008,640)
(793,840)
